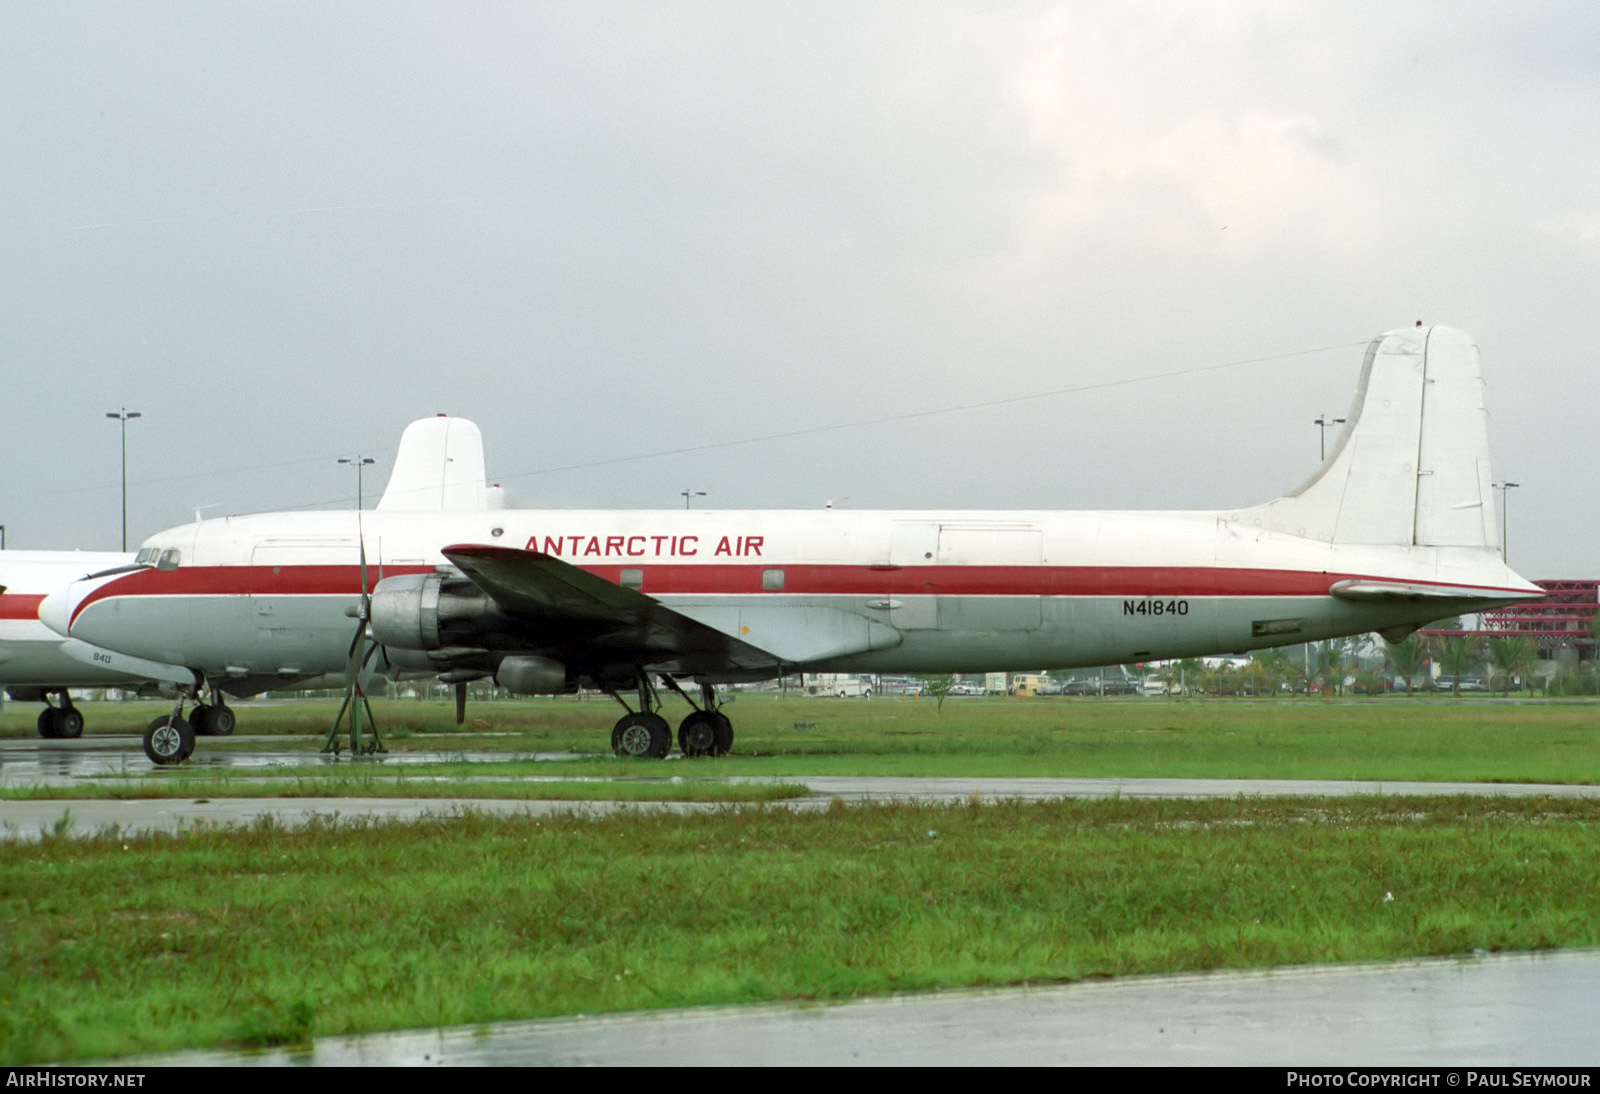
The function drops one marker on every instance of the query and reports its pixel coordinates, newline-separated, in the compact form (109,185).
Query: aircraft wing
(558,599)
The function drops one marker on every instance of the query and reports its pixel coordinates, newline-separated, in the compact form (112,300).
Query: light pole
(122,416)
(689,494)
(358,462)
(1322,425)
(1505,489)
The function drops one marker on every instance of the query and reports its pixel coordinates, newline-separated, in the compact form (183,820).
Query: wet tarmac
(28,762)
(1502,1010)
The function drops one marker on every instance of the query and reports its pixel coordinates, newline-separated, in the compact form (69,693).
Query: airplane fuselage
(838,590)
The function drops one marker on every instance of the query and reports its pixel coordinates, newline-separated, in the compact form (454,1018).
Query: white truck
(839,685)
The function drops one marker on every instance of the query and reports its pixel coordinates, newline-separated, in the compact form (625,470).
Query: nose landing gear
(169,739)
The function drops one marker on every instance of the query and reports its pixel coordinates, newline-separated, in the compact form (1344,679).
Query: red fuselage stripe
(798,580)
(20,606)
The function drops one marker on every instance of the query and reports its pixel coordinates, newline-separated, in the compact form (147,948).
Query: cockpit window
(169,559)
(147,556)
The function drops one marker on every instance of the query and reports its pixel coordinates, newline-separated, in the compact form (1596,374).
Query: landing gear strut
(706,731)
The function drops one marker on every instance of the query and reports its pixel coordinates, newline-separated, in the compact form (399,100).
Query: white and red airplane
(1395,529)
(438,467)
(32,666)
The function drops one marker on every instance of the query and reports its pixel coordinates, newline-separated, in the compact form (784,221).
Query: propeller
(355,700)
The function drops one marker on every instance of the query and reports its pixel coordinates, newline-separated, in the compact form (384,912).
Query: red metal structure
(1560,621)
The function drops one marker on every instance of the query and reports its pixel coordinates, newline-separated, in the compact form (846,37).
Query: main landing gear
(215,720)
(61,721)
(642,734)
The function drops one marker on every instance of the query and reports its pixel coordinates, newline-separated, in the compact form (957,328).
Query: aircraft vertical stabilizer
(1411,466)
(439,467)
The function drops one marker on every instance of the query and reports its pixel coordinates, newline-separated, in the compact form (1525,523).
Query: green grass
(119,944)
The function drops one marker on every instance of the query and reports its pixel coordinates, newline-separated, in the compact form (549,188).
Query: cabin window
(633,579)
(772,579)
(169,559)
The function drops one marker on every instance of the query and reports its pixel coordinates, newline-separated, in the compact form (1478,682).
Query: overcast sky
(282,231)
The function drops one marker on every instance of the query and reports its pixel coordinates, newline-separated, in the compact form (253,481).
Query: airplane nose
(55,611)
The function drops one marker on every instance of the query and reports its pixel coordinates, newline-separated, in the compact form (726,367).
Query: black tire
(697,734)
(168,740)
(212,721)
(47,723)
(69,722)
(724,734)
(222,721)
(642,736)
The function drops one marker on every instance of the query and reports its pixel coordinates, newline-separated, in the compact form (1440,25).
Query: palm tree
(1333,667)
(1459,656)
(1405,658)
(1371,681)
(1512,657)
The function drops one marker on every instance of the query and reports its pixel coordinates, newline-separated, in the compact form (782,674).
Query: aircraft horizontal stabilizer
(1366,590)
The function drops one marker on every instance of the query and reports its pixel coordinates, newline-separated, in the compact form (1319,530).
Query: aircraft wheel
(212,721)
(697,734)
(69,722)
(47,723)
(222,721)
(168,740)
(724,734)
(643,736)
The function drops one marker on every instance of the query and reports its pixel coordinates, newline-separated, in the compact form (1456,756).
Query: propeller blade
(357,656)
(353,660)
(461,703)
(366,597)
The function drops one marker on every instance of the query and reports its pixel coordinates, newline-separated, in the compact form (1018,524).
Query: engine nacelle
(528,675)
(431,611)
